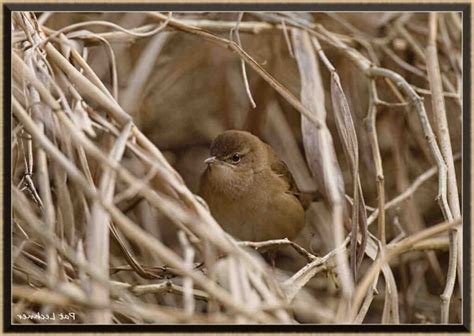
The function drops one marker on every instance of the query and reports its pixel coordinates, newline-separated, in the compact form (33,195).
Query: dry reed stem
(242,62)
(439,111)
(375,251)
(347,134)
(391,294)
(188,252)
(374,144)
(279,242)
(324,166)
(163,287)
(98,227)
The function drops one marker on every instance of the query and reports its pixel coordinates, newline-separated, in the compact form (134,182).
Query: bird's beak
(210,160)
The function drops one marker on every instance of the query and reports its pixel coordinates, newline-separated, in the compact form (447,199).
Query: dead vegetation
(112,115)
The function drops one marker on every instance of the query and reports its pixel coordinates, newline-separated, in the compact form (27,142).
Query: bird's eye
(236,157)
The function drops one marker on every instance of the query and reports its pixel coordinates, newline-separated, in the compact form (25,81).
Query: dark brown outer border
(468,171)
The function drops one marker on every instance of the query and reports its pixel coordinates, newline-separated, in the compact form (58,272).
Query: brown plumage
(249,190)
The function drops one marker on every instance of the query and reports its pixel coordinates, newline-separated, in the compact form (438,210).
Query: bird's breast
(254,209)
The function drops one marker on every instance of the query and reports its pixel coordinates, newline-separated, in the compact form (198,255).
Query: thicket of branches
(112,116)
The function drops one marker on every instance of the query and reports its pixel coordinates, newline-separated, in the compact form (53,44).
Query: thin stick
(242,62)
(427,130)
(49,214)
(441,123)
(293,285)
(374,144)
(279,242)
(98,229)
(287,38)
(188,252)
(159,288)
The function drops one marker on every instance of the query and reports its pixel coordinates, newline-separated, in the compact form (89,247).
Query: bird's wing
(280,168)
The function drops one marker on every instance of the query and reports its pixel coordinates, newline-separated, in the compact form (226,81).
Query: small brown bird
(249,190)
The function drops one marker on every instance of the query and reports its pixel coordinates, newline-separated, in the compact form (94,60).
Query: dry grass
(112,117)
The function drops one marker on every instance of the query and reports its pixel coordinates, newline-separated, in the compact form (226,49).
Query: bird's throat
(226,182)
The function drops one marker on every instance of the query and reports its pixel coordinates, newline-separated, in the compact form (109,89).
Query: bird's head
(237,152)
